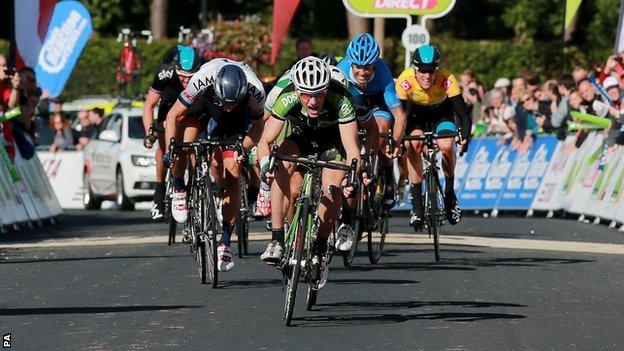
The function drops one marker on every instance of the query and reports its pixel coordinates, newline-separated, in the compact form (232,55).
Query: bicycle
(369,215)
(302,232)
(435,214)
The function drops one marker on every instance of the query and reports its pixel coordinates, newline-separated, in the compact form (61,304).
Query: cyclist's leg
(415,169)
(384,121)
(447,148)
(187,131)
(231,172)
(280,195)
(160,187)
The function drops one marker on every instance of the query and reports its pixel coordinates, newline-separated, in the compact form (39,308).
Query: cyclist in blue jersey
(377,107)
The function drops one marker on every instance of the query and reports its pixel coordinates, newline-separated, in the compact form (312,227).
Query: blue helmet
(187,59)
(363,50)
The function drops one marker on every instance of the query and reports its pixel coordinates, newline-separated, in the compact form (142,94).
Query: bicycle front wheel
(210,230)
(242,221)
(294,262)
(433,224)
(356,225)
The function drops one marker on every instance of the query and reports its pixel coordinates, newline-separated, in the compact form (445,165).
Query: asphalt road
(148,296)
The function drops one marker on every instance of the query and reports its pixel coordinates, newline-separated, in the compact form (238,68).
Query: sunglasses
(317,94)
(364,67)
(427,71)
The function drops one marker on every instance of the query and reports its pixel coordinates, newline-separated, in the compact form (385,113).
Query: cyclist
(431,97)
(320,112)
(179,64)
(376,102)
(227,97)
(264,204)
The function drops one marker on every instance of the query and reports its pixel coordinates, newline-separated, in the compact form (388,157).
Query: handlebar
(429,137)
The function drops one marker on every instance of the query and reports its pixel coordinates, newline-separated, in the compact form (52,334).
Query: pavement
(113,289)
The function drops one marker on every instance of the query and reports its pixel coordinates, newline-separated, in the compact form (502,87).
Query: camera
(619,59)
(473,91)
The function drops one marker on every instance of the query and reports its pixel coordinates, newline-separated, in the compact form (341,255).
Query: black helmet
(186,60)
(329,59)
(426,56)
(230,84)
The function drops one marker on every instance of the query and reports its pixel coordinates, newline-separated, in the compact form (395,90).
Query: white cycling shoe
(273,253)
(178,206)
(226,259)
(345,237)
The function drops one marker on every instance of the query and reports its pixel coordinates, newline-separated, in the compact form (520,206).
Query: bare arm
(272,129)
(171,123)
(148,108)
(349,138)
(400,121)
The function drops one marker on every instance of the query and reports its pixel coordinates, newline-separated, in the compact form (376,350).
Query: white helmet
(310,75)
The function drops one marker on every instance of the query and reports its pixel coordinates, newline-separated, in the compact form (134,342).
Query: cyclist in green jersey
(323,121)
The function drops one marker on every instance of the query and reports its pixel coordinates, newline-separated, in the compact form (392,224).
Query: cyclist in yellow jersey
(432,99)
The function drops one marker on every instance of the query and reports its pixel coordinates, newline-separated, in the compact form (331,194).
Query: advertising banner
(61,167)
(473,194)
(394,8)
(526,175)
(549,195)
(600,193)
(579,185)
(68,33)
(614,203)
(463,164)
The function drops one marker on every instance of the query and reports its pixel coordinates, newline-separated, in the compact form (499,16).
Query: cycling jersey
(204,79)
(378,93)
(445,85)
(167,84)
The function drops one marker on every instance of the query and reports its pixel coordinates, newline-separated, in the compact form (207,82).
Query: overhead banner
(283,12)
(67,35)
(399,8)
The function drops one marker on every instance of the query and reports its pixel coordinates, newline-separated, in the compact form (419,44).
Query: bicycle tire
(356,225)
(210,228)
(202,255)
(311,298)
(242,221)
(172,229)
(377,232)
(433,223)
(297,253)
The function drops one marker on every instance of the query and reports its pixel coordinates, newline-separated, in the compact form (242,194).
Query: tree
(159,19)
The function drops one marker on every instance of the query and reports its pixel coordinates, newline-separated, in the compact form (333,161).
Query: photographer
(472,93)
(7,84)
(26,97)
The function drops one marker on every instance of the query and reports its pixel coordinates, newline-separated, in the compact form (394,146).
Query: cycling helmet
(310,75)
(363,50)
(230,84)
(329,59)
(187,60)
(426,56)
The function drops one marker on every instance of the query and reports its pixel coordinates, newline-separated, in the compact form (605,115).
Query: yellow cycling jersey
(408,88)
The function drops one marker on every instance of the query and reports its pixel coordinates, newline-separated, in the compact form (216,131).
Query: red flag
(283,12)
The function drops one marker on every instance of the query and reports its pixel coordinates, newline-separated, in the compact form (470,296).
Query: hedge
(95,71)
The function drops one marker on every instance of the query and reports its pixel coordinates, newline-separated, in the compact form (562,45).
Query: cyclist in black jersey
(172,77)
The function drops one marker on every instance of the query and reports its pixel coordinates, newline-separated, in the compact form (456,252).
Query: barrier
(64,172)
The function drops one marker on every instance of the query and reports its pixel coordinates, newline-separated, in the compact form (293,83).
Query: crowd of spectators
(516,110)
(41,119)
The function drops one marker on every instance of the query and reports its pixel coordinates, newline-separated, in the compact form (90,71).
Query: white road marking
(392,238)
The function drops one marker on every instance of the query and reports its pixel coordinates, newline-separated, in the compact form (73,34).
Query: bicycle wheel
(210,230)
(311,299)
(294,262)
(242,221)
(433,225)
(356,225)
(172,229)
(379,216)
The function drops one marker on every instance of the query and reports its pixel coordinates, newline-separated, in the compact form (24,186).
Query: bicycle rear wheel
(242,221)
(294,262)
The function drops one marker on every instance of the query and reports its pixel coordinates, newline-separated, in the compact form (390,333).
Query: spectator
(579,73)
(590,104)
(63,138)
(83,132)
(612,87)
(303,46)
(521,127)
(95,118)
(7,84)
(497,114)
(472,93)
(503,85)
(518,86)
(27,98)
(560,116)
(532,84)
